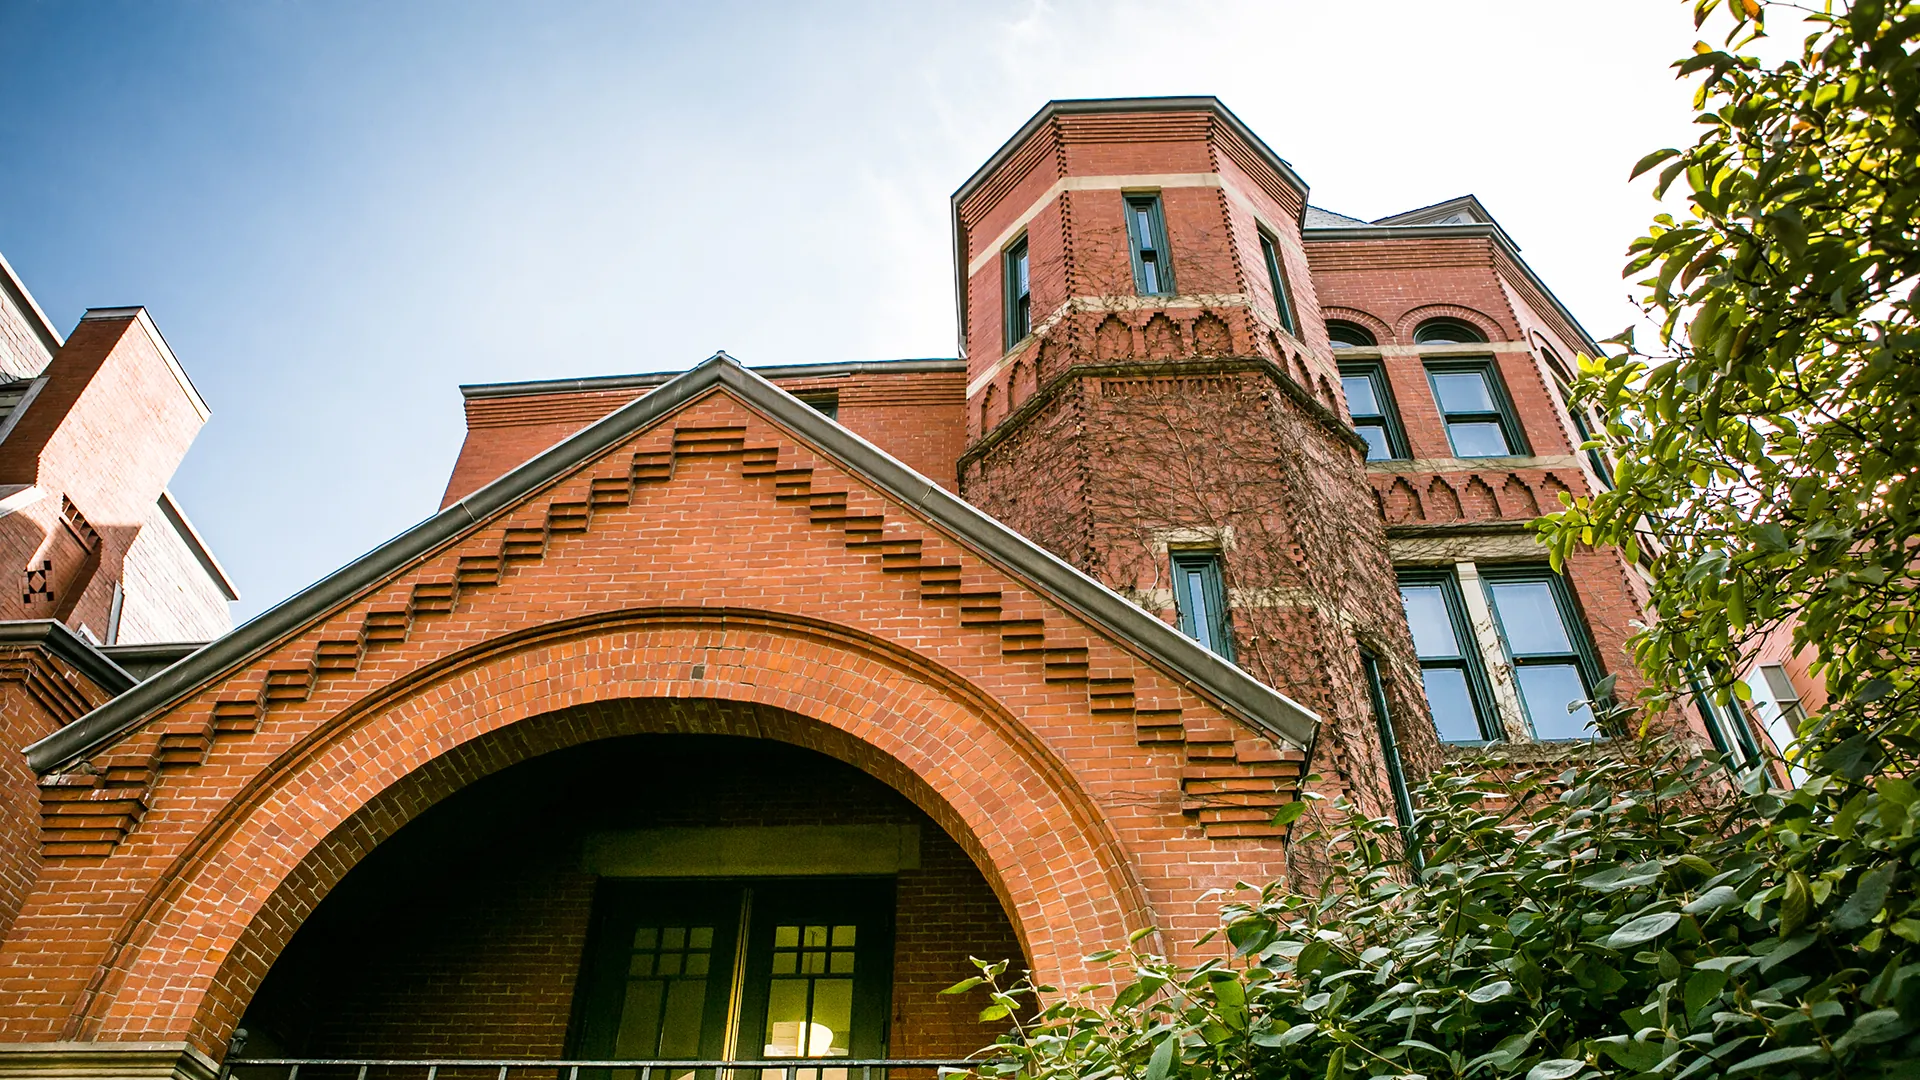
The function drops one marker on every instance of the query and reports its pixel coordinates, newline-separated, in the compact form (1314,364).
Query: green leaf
(1703,987)
(1493,991)
(1650,161)
(1294,1034)
(1881,1025)
(1555,1069)
(994,1012)
(1620,878)
(1869,896)
(1713,900)
(1631,1055)
(964,985)
(1779,1057)
(1289,813)
(1642,930)
(1795,903)
(1161,1062)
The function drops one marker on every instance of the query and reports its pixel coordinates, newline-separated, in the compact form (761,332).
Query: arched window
(1447,332)
(1346,335)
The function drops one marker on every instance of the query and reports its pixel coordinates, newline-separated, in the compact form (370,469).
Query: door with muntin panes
(737,970)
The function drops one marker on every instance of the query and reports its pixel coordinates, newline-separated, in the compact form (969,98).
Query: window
(1552,662)
(1019,301)
(668,974)
(1778,706)
(1282,303)
(1390,749)
(1370,403)
(1147,231)
(1447,332)
(825,402)
(1201,601)
(1449,661)
(1474,406)
(1727,727)
(1346,335)
(1584,428)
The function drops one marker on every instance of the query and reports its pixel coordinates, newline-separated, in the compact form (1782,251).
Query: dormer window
(1346,335)
(1147,233)
(1447,332)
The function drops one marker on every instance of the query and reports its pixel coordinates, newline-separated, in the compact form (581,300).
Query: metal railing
(270,1068)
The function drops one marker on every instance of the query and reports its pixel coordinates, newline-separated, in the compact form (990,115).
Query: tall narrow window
(1479,421)
(1147,232)
(1276,276)
(1370,403)
(1778,706)
(1390,749)
(1552,661)
(1019,301)
(1584,425)
(1727,727)
(1201,601)
(1449,663)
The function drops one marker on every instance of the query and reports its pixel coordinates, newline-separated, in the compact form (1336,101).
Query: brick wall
(100,441)
(1073,769)
(39,693)
(915,416)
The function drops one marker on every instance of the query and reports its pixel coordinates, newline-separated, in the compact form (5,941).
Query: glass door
(737,970)
(819,958)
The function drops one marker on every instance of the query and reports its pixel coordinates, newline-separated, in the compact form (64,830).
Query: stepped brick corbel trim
(1233,780)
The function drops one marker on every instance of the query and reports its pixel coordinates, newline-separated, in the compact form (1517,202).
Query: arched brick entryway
(188,958)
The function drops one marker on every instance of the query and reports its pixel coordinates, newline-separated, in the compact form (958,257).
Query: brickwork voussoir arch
(1410,320)
(188,961)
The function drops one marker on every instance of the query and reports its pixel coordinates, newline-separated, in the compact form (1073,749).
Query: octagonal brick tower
(1151,395)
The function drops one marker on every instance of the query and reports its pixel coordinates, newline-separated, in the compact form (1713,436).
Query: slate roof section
(1317,218)
(1235,690)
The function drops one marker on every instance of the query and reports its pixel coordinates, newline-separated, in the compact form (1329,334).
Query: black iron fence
(288,1068)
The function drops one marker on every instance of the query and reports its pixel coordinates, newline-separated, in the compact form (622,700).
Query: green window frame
(1016,274)
(674,967)
(1277,277)
(1200,601)
(1147,236)
(1546,642)
(1453,676)
(1474,408)
(1584,429)
(1727,726)
(1375,416)
(1345,335)
(1390,749)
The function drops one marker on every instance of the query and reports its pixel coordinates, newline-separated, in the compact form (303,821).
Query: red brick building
(723,715)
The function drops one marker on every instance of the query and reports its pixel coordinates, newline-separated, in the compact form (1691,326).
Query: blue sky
(339,212)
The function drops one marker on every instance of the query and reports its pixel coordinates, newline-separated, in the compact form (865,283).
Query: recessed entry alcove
(648,896)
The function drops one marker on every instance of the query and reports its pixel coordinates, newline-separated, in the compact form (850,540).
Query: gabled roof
(1460,210)
(1227,685)
(1461,216)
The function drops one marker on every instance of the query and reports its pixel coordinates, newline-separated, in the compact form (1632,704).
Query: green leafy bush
(1637,916)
